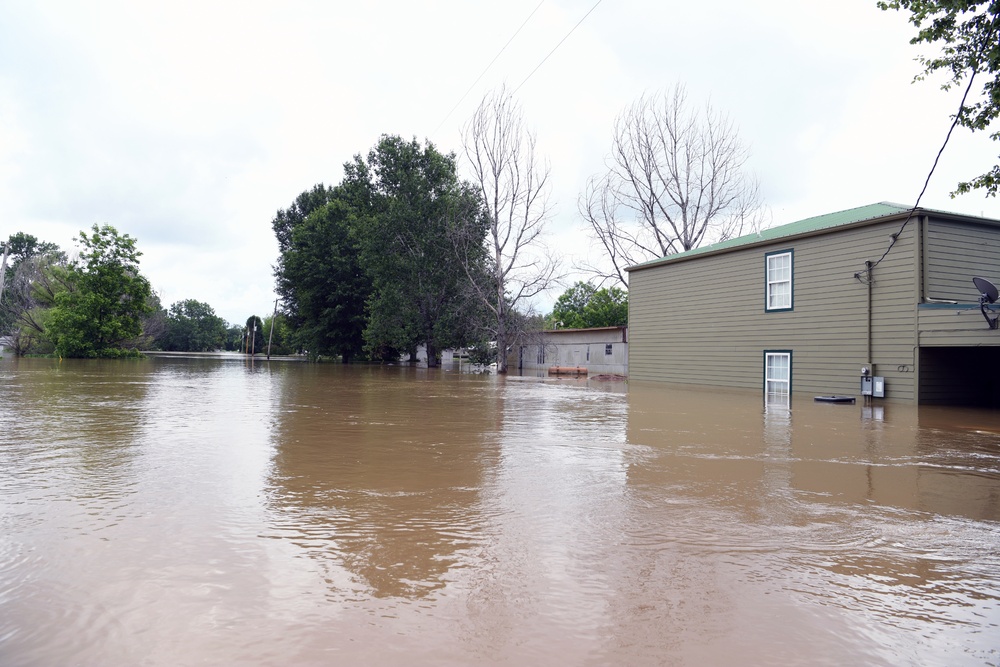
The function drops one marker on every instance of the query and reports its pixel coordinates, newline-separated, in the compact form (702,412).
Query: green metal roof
(820,222)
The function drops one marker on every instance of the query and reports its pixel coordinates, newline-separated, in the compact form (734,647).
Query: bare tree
(513,185)
(675,179)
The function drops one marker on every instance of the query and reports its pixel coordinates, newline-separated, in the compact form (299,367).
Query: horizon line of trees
(403,253)
(99,304)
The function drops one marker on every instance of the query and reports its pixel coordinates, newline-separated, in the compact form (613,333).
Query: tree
(280,340)
(674,179)
(321,281)
(29,294)
(583,306)
(234,338)
(105,298)
(154,323)
(286,220)
(607,308)
(256,339)
(417,207)
(193,326)
(568,311)
(512,183)
(969,34)
(14,297)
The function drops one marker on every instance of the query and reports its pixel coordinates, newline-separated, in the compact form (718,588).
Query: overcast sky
(188,124)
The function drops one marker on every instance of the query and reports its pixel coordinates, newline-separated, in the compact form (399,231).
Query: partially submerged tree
(417,206)
(105,298)
(193,326)
(256,336)
(675,178)
(322,283)
(512,181)
(28,295)
(969,34)
(27,258)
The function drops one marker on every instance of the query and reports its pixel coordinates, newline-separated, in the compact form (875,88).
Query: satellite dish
(987,294)
(987,290)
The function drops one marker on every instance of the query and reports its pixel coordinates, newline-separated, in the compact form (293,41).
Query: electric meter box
(873,386)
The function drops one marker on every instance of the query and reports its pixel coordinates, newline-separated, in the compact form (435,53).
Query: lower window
(778,372)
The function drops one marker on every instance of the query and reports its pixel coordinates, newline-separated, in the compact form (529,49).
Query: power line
(483,73)
(865,276)
(556,47)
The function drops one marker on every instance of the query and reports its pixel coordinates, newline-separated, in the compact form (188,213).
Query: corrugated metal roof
(830,220)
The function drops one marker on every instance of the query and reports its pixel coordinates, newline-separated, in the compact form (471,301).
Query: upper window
(779,280)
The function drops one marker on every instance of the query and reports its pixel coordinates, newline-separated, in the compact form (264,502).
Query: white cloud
(187,125)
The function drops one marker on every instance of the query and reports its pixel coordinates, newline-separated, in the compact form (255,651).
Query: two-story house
(804,307)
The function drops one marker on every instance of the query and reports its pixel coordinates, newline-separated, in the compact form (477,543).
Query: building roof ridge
(817,223)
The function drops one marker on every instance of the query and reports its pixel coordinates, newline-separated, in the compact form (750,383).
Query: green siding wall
(702,321)
(955,252)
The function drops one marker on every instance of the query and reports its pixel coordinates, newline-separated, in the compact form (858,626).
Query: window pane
(777,373)
(779,281)
(780,296)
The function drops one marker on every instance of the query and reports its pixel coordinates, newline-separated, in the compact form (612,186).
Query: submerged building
(812,306)
(596,351)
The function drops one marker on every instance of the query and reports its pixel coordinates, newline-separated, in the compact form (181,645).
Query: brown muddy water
(205,512)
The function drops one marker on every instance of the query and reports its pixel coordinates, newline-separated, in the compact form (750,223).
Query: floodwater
(209,512)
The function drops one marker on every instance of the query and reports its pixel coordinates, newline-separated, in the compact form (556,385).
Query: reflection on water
(185,511)
(380,487)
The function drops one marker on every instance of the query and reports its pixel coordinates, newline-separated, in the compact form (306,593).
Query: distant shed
(601,350)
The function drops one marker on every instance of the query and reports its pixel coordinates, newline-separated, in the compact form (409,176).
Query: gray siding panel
(955,253)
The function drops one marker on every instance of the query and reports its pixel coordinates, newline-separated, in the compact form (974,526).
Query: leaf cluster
(104,298)
(968,34)
(583,306)
(370,266)
(192,326)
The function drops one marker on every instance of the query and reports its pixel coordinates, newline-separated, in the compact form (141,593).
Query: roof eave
(784,239)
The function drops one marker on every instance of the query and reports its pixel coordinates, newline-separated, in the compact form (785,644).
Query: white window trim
(769,283)
(777,386)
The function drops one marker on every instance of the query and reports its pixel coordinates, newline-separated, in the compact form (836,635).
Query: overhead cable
(865,275)
(556,47)
(483,73)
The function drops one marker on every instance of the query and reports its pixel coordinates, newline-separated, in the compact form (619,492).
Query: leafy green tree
(281,340)
(583,306)
(568,311)
(607,308)
(286,220)
(234,338)
(193,326)
(105,300)
(416,208)
(256,338)
(321,281)
(968,32)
